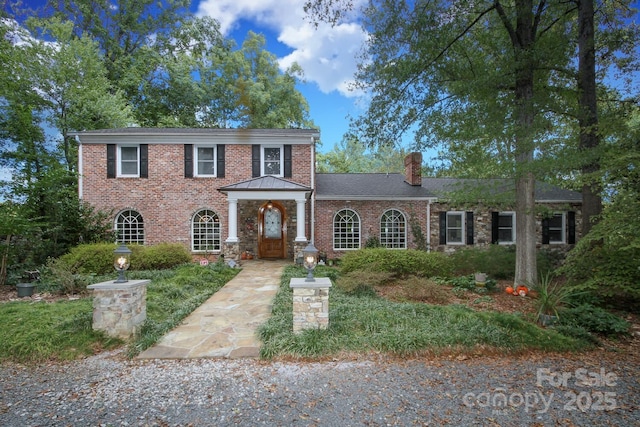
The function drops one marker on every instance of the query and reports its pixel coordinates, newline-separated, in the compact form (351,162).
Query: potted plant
(551,297)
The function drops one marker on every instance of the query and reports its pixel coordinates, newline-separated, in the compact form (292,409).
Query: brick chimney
(413,169)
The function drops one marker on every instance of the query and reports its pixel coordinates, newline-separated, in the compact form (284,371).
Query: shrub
(97,258)
(356,281)
(499,261)
(57,278)
(161,256)
(468,283)
(400,262)
(415,288)
(594,319)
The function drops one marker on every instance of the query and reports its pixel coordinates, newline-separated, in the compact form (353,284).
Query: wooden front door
(273,231)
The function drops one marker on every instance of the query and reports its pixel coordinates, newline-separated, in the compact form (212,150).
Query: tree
(351,156)
(488,77)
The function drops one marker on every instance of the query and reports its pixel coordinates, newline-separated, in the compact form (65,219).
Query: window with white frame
(393,229)
(129,160)
(129,227)
(556,228)
(272,161)
(506,227)
(346,230)
(205,231)
(205,160)
(455,228)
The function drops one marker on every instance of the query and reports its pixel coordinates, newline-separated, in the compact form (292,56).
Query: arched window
(393,230)
(346,230)
(129,227)
(205,231)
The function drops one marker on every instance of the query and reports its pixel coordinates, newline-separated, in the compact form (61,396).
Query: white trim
(513,227)
(463,227)
(563,230)
(80,167)
(214,160)
(119,173)
(263,160)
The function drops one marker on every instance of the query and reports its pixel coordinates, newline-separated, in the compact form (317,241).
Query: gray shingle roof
(374,186)
(270,183)
(367,186)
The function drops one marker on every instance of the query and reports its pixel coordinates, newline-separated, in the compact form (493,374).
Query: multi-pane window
(506,227)
(346,230)
(205,160)
(205,231)
(129,227)
(393,230)
(556,228)
(272,161)
(455,228)
(129,161)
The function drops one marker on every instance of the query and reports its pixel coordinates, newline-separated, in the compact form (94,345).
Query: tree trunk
(523,43)
(588,116)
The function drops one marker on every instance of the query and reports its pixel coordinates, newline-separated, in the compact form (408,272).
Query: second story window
(129,161)
(205,160)
(272,160)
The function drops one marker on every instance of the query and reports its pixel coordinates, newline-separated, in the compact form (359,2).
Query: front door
(272,238)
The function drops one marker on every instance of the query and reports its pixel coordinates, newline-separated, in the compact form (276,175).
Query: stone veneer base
(310,303)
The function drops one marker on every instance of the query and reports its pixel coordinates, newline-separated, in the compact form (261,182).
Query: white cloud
(326,54)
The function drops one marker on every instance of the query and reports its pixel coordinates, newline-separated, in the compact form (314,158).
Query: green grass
(362,322)
(38,331)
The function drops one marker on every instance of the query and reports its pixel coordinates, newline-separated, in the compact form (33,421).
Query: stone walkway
(225,325)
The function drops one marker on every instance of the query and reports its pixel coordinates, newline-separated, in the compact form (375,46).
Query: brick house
(226,191)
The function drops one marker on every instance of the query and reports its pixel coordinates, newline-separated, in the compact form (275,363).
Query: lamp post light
(310,254)
(122,262)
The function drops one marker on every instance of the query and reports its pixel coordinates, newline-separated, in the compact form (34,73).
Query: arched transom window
(393,230)
(129,227)
(205,231)
(346,230)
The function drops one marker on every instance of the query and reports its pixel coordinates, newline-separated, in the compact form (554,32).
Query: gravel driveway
(594,389)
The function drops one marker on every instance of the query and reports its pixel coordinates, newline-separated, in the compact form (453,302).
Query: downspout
(428,225)
(312,219)
(79,167)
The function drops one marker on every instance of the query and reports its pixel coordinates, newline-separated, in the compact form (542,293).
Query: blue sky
(326,54)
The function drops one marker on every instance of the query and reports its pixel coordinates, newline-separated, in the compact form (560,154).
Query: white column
(233,221)
(300,212)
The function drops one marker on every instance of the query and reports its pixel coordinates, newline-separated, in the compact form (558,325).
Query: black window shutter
(443,228)
(255,161)
(495,218)
(545,231)
(469,228)
(144,161)
(287,162)
(571,231)
(111,160)
(220,161)
(188,160)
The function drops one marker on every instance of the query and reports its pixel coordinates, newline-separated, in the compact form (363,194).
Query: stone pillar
(301,220)
(233,221)
(119,309)
(310,303)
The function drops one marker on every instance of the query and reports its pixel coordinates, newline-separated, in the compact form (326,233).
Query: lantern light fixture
(310,254)
(122,262)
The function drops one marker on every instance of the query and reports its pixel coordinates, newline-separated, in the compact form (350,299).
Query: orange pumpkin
(509,290)
(522,291)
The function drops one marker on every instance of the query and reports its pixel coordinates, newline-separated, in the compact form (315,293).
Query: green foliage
(468,283)
(552,296)
(39,332)
(427,264)
(161,256)
(594,319)
(97,258)
(414,288)
(363,323)
(363,280)
(372,242)
(499,261)
(57,278)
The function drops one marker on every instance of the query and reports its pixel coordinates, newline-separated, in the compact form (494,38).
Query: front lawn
(40,330)
(362,322)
